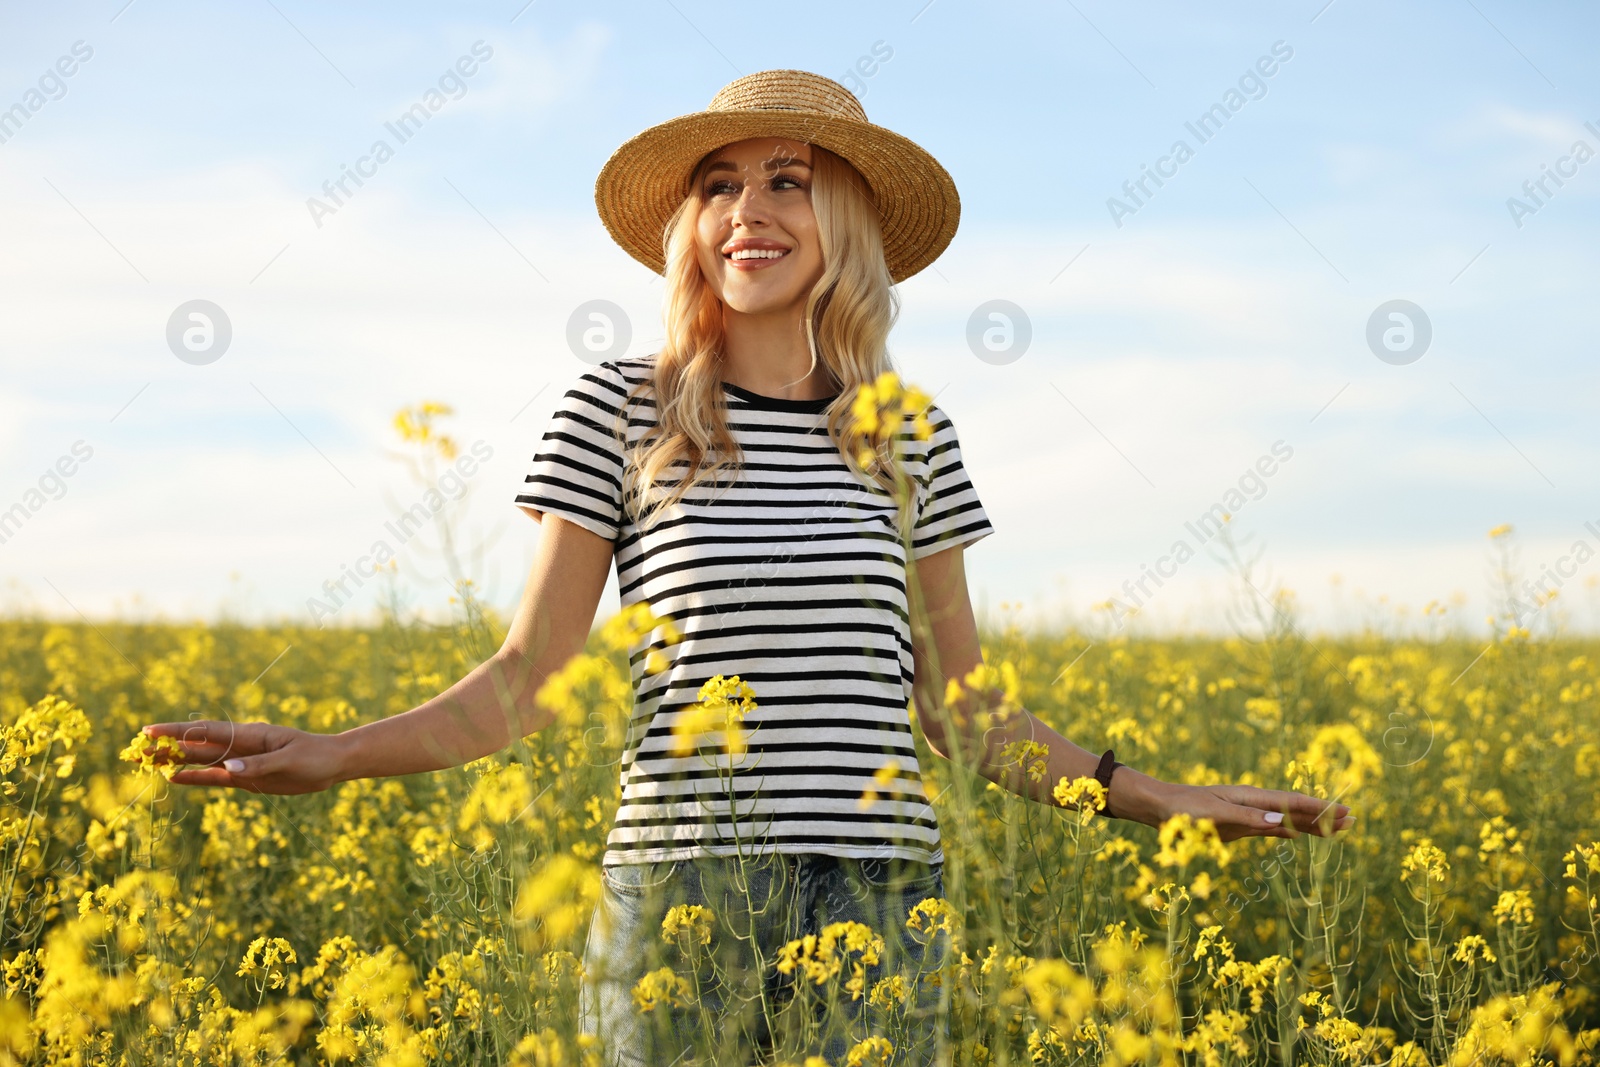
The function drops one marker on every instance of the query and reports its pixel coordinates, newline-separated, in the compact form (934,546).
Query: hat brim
(646,179)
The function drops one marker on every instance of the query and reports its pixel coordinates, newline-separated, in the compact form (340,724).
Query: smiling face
(756,239)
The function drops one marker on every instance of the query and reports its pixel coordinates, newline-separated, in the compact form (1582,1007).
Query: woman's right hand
(256,756)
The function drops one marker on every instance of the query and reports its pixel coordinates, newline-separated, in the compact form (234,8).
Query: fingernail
(1274,817)
(233,766)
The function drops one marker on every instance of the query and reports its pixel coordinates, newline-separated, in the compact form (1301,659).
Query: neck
(766,353)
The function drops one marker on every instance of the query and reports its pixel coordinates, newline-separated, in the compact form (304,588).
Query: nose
(751,206)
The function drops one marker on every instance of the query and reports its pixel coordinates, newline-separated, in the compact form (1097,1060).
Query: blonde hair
(848,316)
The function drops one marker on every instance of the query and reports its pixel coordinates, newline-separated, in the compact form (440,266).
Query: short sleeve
(577,471)
(949,512)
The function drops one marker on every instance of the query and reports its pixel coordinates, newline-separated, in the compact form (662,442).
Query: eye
(722,185)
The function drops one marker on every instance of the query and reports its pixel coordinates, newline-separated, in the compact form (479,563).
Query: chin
(759,306)
(755,299)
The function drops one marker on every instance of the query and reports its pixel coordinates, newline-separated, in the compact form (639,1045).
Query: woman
(780,218)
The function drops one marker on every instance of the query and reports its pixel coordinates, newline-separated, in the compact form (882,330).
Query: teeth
(758,253)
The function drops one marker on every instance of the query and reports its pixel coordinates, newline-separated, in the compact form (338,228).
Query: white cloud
(1191,348)
(1551,129)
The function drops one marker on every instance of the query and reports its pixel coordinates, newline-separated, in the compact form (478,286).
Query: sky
(1352,312)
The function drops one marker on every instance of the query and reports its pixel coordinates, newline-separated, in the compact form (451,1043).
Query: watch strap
(1102,774)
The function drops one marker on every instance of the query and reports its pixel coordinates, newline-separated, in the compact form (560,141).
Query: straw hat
(645,179)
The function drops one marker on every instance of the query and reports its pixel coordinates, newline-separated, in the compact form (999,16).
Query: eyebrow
(725,165)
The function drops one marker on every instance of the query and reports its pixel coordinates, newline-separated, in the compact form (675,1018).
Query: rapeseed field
(441,918)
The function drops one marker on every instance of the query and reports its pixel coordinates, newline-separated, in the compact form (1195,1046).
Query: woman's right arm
(493,705)
(482,713)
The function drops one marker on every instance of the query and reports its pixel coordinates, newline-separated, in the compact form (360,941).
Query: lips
(752,249)
(755,255)
(742,254)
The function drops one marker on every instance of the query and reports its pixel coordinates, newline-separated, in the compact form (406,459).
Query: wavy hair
(848,316)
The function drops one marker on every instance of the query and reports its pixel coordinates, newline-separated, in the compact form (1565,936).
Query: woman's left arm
(940,591)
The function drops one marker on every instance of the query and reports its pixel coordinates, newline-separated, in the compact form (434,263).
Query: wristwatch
(1102,774)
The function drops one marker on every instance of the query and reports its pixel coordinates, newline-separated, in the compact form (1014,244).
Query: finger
(1233,833)
(1321,824)
(1316,810)
(1255,822)
(1324,826)
(1320,817)
(257,766)
(1279,800)
(206,753)
(1301,804)
(1306,812)
(221,775)
(192,729)
(212,738)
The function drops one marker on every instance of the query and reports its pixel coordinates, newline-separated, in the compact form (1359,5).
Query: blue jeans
(759,906)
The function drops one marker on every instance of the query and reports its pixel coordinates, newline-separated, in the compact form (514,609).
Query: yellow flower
(543,1048)
(633,624)
(1426,860)
(584,687)
(1500,531)
(1119,848)
(161,755)
(1409,1054)
(1030,756)
(1130,730)
(1339,759)
(879,409)
(864,412)
(662,986)
(558,897)
(1472,945)
(1061,996)
(821,956)
(40,730)
(263,957)
(930,915)
(723,705)
(1497,836)
(1219,1030)
(416,425)
(873,1052)
(1521,1029)
(687,925)
(888,993)
(882,778)
(1184,840)
(1256,978)
(1085,795)
(1000,685)
(1514,906)
(1588,854)
(1211,940)
(503,792)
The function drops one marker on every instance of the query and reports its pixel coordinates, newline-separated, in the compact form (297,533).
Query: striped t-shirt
(792,578)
